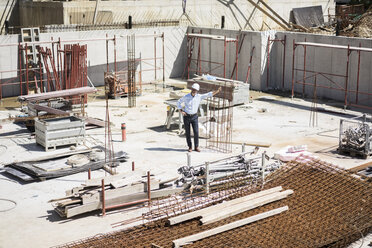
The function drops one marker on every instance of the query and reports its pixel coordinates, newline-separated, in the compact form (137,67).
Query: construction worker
(191,103)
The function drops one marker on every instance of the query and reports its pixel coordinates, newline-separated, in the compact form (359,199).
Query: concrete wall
(239,14)
(213,50)
(325,60)
(175,55)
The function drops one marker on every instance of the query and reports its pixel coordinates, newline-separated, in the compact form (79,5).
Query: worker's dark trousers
(191,120)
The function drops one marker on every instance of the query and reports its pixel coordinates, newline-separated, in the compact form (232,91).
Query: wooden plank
(112,193)
(268,14)
(216,208)
(117,192)
(57,94)
(245,206)
(360,167)
(76,210)
(129,180)
(94,121)
(49,110)
(112,178)
(202,235)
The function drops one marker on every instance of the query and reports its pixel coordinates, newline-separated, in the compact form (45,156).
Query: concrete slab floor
(269,118)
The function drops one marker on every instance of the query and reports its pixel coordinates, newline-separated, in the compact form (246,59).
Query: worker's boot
(190,149)
(197,149)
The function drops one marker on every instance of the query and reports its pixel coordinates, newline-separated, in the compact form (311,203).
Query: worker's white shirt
(192,102)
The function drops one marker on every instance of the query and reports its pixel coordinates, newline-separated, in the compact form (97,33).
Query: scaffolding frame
(325,75)
(191,37)
(158,62)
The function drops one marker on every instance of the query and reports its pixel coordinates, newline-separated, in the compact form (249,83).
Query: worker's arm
(179,105)
(210,94)
(217,91)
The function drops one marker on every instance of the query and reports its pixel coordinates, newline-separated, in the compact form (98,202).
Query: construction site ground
(272,118)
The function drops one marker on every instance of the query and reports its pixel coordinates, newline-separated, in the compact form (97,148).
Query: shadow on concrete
(166,149)
(160,129)
(13,179)
(21,131)
(308,108)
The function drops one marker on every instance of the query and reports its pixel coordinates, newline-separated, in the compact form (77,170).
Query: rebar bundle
(131,53)
(330,208)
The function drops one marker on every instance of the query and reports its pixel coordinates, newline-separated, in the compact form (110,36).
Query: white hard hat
(195,86)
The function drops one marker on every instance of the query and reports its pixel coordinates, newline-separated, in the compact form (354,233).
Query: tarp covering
(309,16)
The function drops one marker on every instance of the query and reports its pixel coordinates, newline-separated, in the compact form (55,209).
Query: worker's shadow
(166,149)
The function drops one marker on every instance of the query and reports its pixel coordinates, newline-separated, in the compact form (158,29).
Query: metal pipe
(236,56)
(20,66)
(26,63)
(148,187)
(268,63)
(162,38)
(357,87)
(107,59)
(115,54)
(284,50)
(103,197)
(224,57)
(347,75)
(293,65)
(155,55)
(304,74)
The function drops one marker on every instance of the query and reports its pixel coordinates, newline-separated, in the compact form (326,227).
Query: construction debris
(112,192)
(194,177)
(330,208)
(355,137)
(48,168)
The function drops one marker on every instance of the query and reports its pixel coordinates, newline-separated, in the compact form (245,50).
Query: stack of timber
(233,207)
(128,188)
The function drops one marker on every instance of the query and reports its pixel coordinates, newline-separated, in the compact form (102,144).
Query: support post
(284,50)
(358,72)
(107,58)
(116,69)
(148,187)
(293,66)
(26,64)
(243,147)
(103,198)
(304,72)
(155,54)
(132,165)
(268,63)
(123,132)
(224,57)
(347,75)
(263,166)
(89,174)
(162,39)
(188,159)
(207,176)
